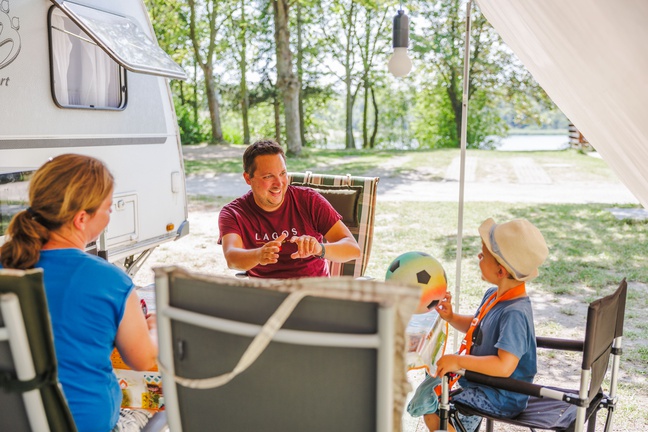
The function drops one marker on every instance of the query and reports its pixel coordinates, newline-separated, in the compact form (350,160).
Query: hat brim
(484,232)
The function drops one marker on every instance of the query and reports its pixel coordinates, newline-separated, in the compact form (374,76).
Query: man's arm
(341,246)
(239,258)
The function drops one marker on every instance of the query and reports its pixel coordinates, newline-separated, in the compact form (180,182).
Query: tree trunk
(244,105)
(365,82)
(372,142)
(365,115)
(277,116)
(245,99)
(455,102)
(214,106)
(349,141)
(300,74)
(194,103)
(207,67)
(287,82)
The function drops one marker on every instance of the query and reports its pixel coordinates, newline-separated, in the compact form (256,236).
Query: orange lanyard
(466,343)
(487,306)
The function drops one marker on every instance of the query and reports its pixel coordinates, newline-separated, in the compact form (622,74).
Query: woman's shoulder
(88,265)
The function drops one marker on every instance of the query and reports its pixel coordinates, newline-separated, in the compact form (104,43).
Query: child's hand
(447,363)
(444,308)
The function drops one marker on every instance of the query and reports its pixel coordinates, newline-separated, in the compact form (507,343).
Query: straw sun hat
(517,245)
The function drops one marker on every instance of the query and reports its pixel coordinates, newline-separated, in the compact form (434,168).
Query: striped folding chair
(355,199)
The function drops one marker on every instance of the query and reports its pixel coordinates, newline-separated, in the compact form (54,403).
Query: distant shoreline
(538,132)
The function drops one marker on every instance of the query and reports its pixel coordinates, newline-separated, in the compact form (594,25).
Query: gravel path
(532,183)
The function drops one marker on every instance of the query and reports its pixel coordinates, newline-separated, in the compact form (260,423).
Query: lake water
(533,143)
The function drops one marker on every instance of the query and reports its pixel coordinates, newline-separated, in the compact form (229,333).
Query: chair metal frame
(30,365)
(14,332)
(603,338)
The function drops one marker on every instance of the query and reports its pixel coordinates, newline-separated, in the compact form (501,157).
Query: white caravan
(89,77)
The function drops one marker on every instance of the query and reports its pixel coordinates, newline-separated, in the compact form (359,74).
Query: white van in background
(89,77)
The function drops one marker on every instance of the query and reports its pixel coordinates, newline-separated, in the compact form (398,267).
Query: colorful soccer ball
(422,270)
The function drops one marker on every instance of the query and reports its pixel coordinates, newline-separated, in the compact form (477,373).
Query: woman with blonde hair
(92,304)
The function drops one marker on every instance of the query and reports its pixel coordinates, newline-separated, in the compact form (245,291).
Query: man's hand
(306,246)
(269,252)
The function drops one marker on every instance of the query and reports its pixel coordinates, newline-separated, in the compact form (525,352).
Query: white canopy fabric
(591,57)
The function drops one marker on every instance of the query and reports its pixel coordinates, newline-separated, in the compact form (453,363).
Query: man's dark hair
(259,148)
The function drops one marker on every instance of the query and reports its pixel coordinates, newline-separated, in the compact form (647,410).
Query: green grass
(566,165)
(221,166)
(588,247)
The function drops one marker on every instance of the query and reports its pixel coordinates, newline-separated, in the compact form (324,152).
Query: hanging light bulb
(399,63)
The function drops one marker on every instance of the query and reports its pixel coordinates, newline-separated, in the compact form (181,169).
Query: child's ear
(501,271)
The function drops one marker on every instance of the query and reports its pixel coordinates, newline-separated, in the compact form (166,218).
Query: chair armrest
(509,384)
(524,387)
(560,344)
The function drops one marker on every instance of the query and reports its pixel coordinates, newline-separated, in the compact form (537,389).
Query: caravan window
(123,38)
(83,76)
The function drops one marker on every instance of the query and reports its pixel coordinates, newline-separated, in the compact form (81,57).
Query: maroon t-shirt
(303,212)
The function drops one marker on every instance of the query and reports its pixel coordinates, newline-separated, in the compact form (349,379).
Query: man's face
(269,182)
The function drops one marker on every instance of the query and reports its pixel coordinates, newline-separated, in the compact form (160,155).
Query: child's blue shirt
(507,326)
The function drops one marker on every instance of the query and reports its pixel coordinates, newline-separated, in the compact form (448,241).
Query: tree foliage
(496,78)
(313,72)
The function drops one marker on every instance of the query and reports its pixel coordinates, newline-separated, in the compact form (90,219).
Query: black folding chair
(559,409)
(312,354)
(30,397)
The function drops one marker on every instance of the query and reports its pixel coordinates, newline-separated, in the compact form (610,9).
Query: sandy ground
(199,251)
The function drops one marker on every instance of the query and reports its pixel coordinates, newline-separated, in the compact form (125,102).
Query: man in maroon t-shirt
(276,230)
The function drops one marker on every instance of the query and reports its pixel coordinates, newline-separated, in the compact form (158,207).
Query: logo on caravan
(9,37)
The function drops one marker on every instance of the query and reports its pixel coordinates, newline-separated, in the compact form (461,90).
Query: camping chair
(355,199)
(552,408)
(30,397)
(312,354)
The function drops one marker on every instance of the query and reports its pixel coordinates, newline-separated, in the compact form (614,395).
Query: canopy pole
(462,167)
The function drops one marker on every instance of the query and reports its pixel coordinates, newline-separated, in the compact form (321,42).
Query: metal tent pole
(462,165)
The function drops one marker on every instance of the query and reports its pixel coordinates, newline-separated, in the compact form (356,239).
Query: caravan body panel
(139,141)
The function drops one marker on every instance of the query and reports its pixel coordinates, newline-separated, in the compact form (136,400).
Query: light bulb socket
(400,37)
